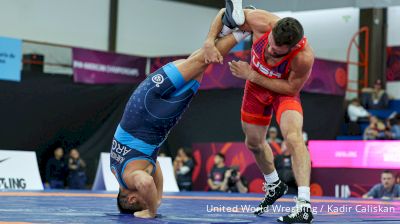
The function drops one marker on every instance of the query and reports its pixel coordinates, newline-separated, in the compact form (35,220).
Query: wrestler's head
(285,35)
(130,202)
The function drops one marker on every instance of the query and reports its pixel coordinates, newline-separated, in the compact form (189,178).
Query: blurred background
(67,68)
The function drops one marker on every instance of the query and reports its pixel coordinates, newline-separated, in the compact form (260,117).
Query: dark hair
(127,208)
(388,172)
(221,155)
(287,31)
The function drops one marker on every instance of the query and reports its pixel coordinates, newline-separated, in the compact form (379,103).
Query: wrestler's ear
(131,198)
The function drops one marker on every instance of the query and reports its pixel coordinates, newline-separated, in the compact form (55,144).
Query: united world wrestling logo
(158,79)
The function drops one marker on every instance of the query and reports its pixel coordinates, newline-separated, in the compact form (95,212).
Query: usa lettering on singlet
(281,69)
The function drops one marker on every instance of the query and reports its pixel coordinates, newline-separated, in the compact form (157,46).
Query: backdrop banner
(327,77)
(355,154)
(325,181)
(105,179)
(97,67)
(19,171)
(393,64)
(236,154)
(216,76)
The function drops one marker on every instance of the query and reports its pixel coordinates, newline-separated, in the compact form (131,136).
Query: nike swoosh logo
(4,160)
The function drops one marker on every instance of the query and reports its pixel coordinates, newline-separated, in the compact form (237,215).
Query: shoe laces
(269,189)
(298,208)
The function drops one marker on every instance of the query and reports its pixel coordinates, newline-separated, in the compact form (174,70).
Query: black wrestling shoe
(302,213)
(273,191)
(234,14)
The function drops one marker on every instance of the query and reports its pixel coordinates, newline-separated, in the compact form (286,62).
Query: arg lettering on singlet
(118,151)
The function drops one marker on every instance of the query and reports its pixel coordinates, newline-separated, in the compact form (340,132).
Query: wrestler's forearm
(158,180)
(150,196)
(196,60)
(280,86)
(215,29)
(225,44)
(146,187)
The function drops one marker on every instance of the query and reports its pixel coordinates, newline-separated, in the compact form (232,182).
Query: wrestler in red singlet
(258,102)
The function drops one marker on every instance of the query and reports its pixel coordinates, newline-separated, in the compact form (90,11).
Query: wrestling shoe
(234,14)
(302,213)
(273,191)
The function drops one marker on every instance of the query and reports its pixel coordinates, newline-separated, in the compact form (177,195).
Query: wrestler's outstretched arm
(195,65)
(212,54)
(158,180)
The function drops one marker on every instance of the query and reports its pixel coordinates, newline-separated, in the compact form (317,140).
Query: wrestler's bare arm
(144,184)
(300,72)
(158,180)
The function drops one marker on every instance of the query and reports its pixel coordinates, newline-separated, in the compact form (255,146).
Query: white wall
(155,28)
(330,31)
(393,26)
(73,22)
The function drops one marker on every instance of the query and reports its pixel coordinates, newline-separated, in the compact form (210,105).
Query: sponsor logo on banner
(106,68)
(344,154)
(19,171)
(12,183)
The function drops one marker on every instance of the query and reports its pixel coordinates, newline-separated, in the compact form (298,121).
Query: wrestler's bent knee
(294,139)
(254,145)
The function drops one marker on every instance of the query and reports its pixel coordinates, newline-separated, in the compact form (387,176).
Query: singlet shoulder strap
(262,37)
(300,46)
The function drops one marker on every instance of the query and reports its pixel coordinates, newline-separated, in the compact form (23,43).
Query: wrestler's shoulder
(304,57)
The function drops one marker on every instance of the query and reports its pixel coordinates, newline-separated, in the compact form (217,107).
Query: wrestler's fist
(211,54)
(145,214)
(241,69)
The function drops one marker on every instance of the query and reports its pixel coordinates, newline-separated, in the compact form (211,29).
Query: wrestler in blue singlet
(153,109)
